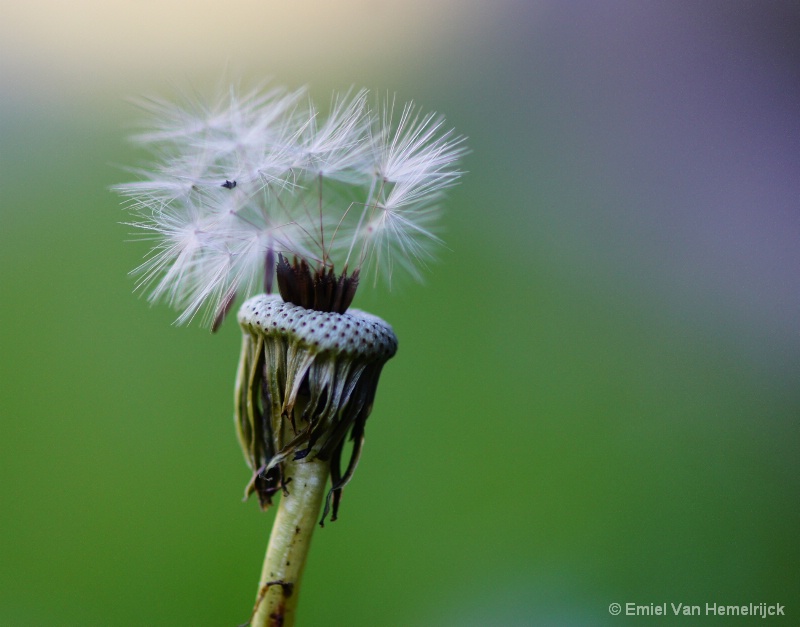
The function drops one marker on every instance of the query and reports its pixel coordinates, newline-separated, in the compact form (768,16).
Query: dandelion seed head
(253,175)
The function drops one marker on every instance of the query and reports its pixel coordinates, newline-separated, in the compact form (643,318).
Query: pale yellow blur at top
(117,43)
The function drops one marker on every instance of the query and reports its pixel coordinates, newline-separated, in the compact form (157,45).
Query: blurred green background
(596,396)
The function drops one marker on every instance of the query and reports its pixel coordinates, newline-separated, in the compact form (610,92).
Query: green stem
(298,512)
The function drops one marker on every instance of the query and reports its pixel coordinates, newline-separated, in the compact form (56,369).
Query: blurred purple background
(654,147)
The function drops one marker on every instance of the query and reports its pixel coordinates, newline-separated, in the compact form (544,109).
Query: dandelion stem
(279,587)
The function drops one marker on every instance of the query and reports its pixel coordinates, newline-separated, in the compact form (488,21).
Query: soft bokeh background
(596,397)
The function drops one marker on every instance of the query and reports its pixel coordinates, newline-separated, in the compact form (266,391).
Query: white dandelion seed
(246,180)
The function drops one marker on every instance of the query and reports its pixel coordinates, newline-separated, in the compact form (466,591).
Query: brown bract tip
(318,289)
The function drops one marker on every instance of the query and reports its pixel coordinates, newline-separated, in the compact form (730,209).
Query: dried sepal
(306,379)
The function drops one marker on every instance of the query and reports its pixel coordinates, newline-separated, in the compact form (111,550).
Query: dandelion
(259,190)
(251,178)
